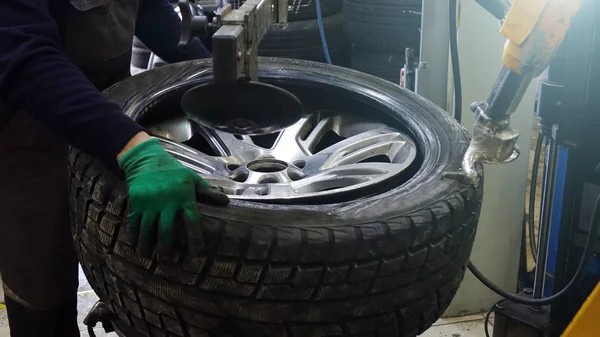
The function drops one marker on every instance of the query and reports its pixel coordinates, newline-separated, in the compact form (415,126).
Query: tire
(140,54)
(302,40)
(384,264)
(300,10)
(386,25)
(383,65)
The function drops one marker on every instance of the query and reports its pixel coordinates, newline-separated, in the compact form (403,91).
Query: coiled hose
(322,31)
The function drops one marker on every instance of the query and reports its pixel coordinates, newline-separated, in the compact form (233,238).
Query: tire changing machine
(567,105)
(570,124)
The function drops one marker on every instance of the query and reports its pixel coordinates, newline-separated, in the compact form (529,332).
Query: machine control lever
(193,23)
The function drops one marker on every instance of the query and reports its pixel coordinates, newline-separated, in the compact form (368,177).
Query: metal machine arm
(234,101)
(235,44)
(237,33)
(534,30)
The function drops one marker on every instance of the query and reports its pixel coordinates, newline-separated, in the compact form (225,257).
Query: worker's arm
(36,76)
(159,27)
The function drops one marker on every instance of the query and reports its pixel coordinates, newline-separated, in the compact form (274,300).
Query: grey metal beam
(432,72)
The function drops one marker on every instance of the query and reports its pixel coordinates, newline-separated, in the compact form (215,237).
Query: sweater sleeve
(36,76)
(159,27)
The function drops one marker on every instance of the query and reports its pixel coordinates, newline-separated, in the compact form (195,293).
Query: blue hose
(322,32)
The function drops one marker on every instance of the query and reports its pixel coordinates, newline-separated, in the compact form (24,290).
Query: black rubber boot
(57,322)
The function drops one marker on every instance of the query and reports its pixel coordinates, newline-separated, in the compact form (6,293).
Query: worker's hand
(161,189)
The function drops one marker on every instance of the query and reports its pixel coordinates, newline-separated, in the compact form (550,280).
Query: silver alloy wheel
(323,154)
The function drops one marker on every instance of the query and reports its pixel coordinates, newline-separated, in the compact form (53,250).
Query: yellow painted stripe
(585,323)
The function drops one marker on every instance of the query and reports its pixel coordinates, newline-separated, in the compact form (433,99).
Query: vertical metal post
(432,71)
(281,11)
(545,216)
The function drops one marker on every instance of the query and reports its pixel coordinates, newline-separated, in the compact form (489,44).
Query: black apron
(37,259)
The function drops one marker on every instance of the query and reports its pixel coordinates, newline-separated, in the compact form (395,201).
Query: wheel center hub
(267,165)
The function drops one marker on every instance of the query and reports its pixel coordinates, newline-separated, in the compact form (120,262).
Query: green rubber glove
(162,190)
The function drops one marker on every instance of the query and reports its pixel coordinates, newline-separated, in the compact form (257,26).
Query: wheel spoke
(314,137)
(343,177)
(178,129)
(197,161)
(287,145)
(214,141)
(231,149)
(373,144)
(301,139)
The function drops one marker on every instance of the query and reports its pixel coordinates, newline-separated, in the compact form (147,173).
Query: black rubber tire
(382,65)
(140,54)
(386,264)
(300,10)
(302,40)
(386,25)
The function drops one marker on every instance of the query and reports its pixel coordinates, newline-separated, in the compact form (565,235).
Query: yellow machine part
(535,29)
(585,323)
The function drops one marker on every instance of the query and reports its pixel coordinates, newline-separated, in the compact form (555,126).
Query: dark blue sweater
(36,76)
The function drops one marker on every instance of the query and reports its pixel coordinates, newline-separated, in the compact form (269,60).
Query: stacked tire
(300,37)
(380,31)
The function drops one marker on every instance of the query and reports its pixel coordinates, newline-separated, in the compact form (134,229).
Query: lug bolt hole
(295,176)
(299,164)
(268,180)
(241,177)
(232,167)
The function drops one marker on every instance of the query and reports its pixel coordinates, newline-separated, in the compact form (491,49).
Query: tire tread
(288,273)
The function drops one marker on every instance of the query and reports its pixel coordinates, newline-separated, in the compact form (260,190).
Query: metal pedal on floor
(100,313)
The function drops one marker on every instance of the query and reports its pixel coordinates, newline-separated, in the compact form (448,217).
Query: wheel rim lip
(382,98)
